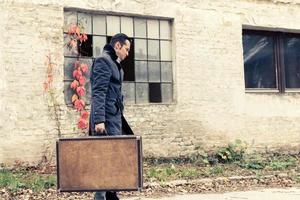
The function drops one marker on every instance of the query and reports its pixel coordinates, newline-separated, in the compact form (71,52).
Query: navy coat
(107,99)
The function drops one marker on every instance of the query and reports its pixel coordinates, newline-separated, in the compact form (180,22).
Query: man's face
(122,51)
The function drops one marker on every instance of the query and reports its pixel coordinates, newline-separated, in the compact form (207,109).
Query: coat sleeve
(101,73)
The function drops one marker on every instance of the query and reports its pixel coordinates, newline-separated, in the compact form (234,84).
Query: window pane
(129,92)
(98,44)
(166,91)
(128,65)
(166,72)
(69,19)
(142,92)
(153,28)
(99,25)
(85,48)
(68,92)
(165,29)
(141,73)
(292,61)
(69,64)
(85,23)
(165,50)
(88,94)
(140,50)
(113,25)
(155,92)
(68,49)
(154,71)
(153,49)
(127,26)
(259,65)
(140,28)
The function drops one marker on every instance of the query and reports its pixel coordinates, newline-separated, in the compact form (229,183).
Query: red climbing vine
(80,70)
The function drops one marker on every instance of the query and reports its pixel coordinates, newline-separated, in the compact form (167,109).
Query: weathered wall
(210,105)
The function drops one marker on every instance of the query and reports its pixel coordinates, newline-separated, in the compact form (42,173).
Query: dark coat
(107,99)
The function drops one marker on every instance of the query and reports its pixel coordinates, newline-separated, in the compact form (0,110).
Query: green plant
(15,181)
(216,170)
(233,152)
(189,173)
(282,162)
(254,161)
(160,174)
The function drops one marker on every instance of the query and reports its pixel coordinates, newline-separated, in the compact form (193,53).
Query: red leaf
(50,78)
(84,67)
(74,84)
(77,74)
(79,104)
(82,80)
(85,37)
(82,123)
(80,91)
(84,115)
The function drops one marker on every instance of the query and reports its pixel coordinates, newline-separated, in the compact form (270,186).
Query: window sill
(296,90)
(261,90)
(150,104)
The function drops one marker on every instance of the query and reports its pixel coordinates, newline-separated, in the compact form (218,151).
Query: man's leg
(100,196)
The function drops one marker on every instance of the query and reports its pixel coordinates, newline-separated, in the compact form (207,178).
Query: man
(107,99)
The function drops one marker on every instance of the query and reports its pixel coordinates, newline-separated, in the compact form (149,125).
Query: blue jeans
(100,196)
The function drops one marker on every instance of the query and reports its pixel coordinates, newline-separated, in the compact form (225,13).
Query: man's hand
(100,128)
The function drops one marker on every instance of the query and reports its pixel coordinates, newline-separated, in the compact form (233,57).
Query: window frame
(133,37)
(278,37)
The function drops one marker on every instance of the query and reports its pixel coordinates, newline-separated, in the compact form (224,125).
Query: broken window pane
(155,93)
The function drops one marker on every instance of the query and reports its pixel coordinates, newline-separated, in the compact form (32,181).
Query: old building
(201,73)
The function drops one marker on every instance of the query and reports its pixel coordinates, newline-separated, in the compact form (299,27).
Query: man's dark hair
(120,37)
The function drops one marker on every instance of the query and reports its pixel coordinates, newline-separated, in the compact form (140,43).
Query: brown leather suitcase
(99,163)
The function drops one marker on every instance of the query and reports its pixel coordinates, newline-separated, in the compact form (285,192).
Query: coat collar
(111,52)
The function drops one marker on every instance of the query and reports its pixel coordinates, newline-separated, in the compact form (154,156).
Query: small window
(148,68)
(271,60)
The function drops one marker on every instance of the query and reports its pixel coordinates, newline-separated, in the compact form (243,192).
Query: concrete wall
(210,109)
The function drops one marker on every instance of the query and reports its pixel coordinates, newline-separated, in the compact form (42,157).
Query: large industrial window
(148,69)
(271,60)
